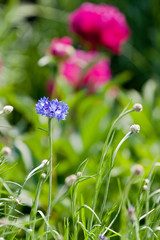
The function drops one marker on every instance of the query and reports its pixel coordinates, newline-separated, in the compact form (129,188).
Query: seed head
(6,150)
(137,169)
(17,201)
(7,109)
(135,128)
(70,180)
(102,237)
(79,174)
(11,197)
(137,107)
(43,175)
(145,187)
(131,212)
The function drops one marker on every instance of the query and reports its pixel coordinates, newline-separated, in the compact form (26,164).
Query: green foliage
(97,203)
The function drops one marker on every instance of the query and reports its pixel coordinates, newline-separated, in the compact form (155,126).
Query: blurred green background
(26,30)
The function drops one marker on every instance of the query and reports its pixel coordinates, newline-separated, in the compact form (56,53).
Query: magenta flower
(98,75)
(101,25)
(78,73)
(61,47)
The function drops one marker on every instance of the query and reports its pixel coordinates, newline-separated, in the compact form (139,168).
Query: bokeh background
(26,31)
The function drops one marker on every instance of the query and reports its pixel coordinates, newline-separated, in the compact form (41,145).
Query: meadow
(79,120)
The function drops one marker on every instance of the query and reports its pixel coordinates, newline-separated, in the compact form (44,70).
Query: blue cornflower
(52,108)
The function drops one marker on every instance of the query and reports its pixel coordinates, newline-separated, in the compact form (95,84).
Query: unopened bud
(70,180)
(6,150)
(145,187)
(102,237)
(79,174)
(7,109)
(137,107)
(1,238)
(131,212)
(29,230)
(137,169)
(17,201)
(11,197)
(45,162)
(147,181)
(135,128)
(43,175)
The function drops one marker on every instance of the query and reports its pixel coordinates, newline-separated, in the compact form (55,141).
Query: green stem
(109,172)
(34,207)
(137,229)
(50,171)
(73,208)
(104,152)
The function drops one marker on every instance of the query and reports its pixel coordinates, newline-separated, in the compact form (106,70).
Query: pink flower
(75,69)
(98,75)
(61,47)
(100,25)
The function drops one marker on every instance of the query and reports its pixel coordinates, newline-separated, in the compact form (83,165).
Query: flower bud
(145,187)
(17,201)
(79,174)
(11,197)
(43,175)
(102,237)
(70,180)
(45,162)
(137,107)
(6,151)
(131,212)
(1,238)
(137,169)
(7,109)
(135,128)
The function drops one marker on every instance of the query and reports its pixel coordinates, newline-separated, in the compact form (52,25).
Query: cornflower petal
(52,109)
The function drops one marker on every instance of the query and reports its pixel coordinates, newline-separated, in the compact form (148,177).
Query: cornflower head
(52,109)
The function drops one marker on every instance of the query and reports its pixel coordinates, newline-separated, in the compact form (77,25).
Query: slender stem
(50,171)
(104,152)
(147,208)
(73,208)
(34,207)
(109,172)
(137,229)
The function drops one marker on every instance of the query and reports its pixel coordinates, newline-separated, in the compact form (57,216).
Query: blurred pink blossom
(98,75)
(61,47)
(78,73)
(100,25)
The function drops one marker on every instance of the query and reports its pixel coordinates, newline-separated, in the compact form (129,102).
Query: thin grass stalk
(104,152)
(148,195)
(35,170)
(35,207)
(109,172)
(50,171)
(73,208)
(124,219)
(137,229)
